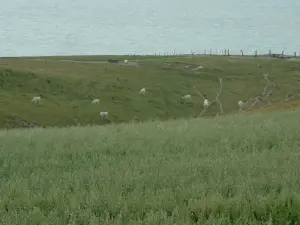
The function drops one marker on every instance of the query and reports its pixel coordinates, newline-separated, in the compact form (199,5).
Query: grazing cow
(104,115)
(143,91)
(36,99)
(205,103)
(95,101)
(187,97)
(240,104)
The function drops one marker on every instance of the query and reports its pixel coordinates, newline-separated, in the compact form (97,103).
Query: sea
(121,27)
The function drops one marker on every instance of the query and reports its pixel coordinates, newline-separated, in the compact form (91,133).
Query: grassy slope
(229,170)
(67,88)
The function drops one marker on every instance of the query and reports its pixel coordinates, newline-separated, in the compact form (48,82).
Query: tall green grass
(229,170)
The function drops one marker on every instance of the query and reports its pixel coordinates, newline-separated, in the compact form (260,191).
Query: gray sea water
(56,27)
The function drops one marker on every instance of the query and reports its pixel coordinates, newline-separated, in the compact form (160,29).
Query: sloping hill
(68,85)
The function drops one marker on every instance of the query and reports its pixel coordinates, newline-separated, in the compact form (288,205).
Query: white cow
(143,91)
(240,104)
(104,115)
(206,103)
(36,99)
(95,101)
(187,97)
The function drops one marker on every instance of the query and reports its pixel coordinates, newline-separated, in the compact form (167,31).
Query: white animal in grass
(187,97)
(95,101)
(240,104)
(205,103)
(125,61)
(36,99)
(104,115)
(143,91)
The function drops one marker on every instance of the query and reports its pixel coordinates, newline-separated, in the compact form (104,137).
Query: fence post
(282,54)
(242,52)
(228,52)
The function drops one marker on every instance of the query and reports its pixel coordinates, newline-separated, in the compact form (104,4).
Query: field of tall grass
(227,170)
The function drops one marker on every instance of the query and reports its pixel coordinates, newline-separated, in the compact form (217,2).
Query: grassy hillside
(229,170)
(68,87)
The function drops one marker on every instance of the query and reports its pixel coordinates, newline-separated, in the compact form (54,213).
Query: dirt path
(135,64)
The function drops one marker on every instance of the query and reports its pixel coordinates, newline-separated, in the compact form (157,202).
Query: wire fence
(224,52)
